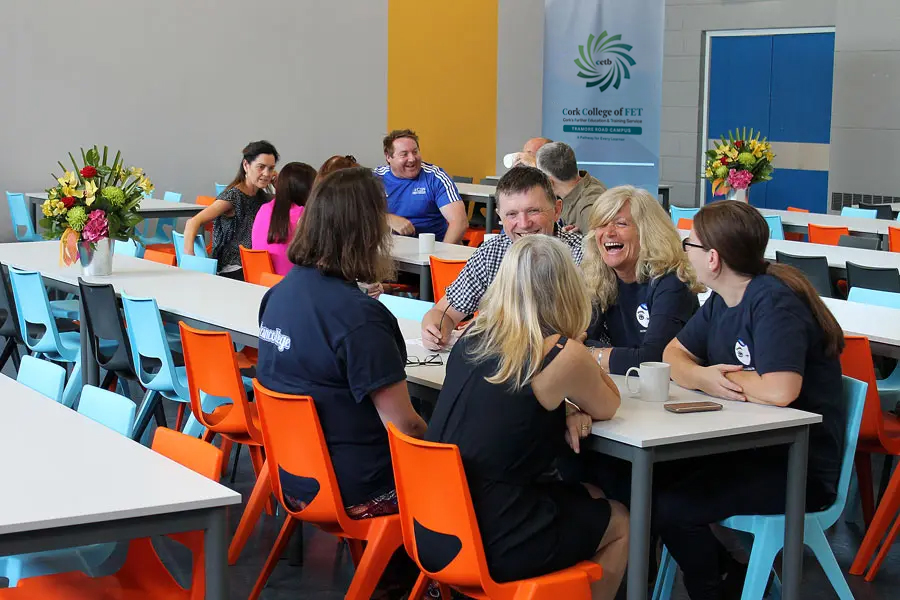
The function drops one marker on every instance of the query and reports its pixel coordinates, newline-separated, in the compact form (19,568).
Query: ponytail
(800,285)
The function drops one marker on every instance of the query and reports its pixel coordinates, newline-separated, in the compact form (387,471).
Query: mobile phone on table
(692,407)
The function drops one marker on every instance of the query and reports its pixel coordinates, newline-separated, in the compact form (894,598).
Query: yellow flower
(53,194)
(52,208)
(47,207)
(145,184)
(732,153)
(709,173)
(717,164)
(71,191)
(68,180)
(136,172)
(90,189)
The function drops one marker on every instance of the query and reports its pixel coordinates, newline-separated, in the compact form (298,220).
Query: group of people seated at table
(564,299)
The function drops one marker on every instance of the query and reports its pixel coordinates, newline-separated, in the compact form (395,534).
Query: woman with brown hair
(764,336)
(336,163)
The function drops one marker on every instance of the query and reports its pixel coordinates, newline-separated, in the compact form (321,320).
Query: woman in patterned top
(235,209)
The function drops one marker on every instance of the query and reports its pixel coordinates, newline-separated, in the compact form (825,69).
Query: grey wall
(865,119)
(180,87)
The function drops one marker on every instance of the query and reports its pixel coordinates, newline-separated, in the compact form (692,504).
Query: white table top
(475,190)
(65,469)
(147,204)
(858,224)
(878,323)
(406,250)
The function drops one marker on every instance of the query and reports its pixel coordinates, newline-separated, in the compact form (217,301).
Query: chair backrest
(198,263)
(436,511)
(33,307)
(885,279)
(678,212)
(856,362)
(874,297)
(255,263)
(858,241)
(406,308)
(212,370)
(461,179)
(220,187)
(814,267)
(160,257)
(894,239)
(128,248)
(795,209)
(103,322)
(823,234)
(862,213)
(882,211)
(685,224)
(178,242)
(150,350)
(270,279)
(42,376)
(108,408)
(172,197)
(776,228)
(193,453)
(489,181)
(18,212)
(205,200)
(443,273)
(9,320)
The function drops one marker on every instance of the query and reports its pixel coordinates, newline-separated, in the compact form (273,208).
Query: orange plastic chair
(894,239)
(255,263)
(443,273)
(824,234)
(793,236)
(685,224)
(296,444)
(793,209)
(474,236)
(160,257)
(143,576)
(270,279)
(208,228)
(433,495)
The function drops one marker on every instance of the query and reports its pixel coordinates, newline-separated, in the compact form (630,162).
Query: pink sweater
(261,234)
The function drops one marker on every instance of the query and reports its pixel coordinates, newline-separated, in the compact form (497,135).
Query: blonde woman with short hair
(642,286)
(503,404)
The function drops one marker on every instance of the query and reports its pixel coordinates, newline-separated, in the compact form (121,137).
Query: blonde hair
(537,292)
(660,245)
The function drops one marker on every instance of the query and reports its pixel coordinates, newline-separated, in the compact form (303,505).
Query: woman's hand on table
(578,427)
(712,380)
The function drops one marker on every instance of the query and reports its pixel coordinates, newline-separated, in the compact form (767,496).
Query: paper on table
(454,336)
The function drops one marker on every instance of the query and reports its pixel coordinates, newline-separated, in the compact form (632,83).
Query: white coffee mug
(426,243)
(489,236)
(653,381)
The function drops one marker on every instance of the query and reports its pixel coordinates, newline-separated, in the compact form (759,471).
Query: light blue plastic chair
(199,246)
(677,212)
(220,187)
(863,213)
(406,308)
(198,263)
(128,248)
(161,235)
(21,220)
(117,413)
(768,530)
(776,228)
(889,387)
(42,376)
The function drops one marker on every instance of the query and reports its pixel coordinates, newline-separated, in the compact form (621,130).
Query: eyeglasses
(685,243)
(430,360)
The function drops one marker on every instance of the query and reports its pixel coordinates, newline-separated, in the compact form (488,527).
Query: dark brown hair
(521,179)
(295,182)
(250,152)
(389,139)
(344,230)
(739,233)
(336,163)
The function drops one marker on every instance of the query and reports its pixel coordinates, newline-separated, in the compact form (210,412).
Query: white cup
(653,381)
(489,236)
(509,159)
(426,243)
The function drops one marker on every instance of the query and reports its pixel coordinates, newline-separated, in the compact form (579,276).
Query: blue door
(780,85)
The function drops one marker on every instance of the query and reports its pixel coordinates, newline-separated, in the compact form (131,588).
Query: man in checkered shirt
(526,205)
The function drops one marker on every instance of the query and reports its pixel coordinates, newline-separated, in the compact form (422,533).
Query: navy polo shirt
(644,319)
(321,336)
(773,330)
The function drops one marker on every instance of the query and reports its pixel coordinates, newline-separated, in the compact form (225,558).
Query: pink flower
(96,228)
(739,180)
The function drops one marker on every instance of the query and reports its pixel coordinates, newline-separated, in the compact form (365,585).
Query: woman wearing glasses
(503,404)
(764,336)
(643,288)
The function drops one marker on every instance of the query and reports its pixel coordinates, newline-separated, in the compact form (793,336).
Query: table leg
(425,283)
(794,515)
(639,534)
(216,548)
(489,215)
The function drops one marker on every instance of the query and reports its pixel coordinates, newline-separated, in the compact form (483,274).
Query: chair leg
(253,511)
(259,466)
(160,413)
(356,550)
(887,510)
(237,455)
(179,418)
(145,413)
(420,587)
(72,391)
(665,577)
(814,537)
(886,470)
(384,538)
(863,464)
(226,447)
(287,529)
(885,548)
(8,350)
(766,545)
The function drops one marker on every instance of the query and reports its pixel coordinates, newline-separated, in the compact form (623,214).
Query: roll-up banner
(603,85)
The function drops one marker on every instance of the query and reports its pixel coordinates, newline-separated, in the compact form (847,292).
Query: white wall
(181,86)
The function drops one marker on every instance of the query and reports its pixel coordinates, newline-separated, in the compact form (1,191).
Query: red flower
(738,144)
(89,172)
(725,160)
(69,201)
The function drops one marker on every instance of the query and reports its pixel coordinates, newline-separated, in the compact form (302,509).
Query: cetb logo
(604,61)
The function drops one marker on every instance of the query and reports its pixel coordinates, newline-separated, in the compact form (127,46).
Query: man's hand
(571,229)
(401,225)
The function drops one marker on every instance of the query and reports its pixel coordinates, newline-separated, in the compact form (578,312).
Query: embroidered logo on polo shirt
(643,315)
(275,337)
(742,352)
(419,191)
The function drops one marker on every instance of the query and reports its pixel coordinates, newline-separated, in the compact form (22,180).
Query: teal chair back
(776,228)
(677,212)
(864,213)
(198,263)
(875,297)
(220,187)
(172,197)
(128,248)
(33,308)
(150,350)
(43,377)
(108,408)
(22,226)
(199,247)
(405,308)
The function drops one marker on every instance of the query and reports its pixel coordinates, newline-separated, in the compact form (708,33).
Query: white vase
(96,257)
(739,195)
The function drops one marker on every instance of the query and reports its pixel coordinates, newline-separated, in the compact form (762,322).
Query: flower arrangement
(93,202)
(738,162)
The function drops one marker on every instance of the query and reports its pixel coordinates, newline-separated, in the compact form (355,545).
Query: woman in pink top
(276,220)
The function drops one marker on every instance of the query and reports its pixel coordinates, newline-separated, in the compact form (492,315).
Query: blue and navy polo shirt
(420,199)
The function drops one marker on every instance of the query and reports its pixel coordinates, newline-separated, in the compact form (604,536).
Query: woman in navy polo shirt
(643,287)
(764,336)
(323,337)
